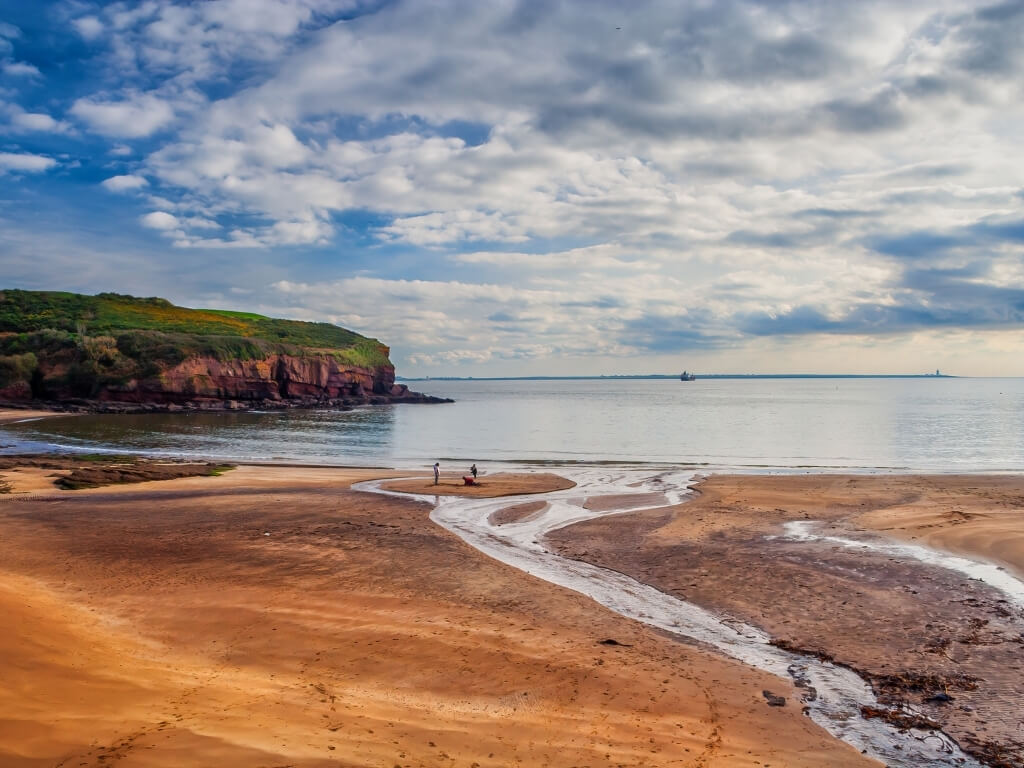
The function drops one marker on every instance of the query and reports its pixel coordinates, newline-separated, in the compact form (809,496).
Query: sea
(929,424)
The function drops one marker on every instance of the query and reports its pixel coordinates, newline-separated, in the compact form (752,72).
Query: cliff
(112,353)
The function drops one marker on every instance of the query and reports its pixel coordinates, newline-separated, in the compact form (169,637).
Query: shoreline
(504,463)
(10,415)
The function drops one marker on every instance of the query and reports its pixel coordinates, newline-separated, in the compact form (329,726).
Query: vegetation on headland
(56,340)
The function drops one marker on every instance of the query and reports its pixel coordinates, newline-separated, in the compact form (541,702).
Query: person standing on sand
(473,470)
(437,471)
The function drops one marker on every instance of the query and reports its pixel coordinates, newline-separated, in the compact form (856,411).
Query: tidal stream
(831,695)
(993,575)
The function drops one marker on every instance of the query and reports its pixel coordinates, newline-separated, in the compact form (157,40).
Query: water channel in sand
(832,695)
(993,575)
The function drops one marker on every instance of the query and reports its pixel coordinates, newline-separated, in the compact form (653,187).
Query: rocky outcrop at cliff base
(203,383)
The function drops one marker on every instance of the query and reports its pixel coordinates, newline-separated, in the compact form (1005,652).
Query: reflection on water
(322,436)
(919,424)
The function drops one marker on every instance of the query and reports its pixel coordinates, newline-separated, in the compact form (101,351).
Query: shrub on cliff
(172,348)
(153,350)
(367,353)
(47,341)
(15,369)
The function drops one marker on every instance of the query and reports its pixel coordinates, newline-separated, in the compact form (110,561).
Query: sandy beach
(485,487)
(270,616)
(9,415)
(945,644)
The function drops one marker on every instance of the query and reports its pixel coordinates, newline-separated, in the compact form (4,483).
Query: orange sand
(978,515)
(158,625)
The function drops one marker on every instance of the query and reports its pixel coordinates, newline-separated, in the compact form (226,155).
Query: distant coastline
(699,376)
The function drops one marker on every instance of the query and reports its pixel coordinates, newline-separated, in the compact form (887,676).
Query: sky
(536,187)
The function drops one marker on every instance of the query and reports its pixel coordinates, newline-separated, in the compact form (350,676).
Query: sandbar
(517,512)
(485,486)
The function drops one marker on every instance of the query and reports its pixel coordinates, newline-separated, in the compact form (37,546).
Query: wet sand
(271,617)
(949,646)
(517,512)
(47,472)
(8,415)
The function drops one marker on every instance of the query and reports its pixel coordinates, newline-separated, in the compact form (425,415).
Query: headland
(114,353)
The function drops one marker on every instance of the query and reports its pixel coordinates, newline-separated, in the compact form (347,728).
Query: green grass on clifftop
(108,313)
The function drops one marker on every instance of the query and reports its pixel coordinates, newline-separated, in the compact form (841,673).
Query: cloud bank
(523,186)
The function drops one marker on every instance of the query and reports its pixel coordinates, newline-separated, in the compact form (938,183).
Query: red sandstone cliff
(277,378)
(279,381)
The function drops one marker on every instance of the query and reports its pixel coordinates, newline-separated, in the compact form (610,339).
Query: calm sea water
(939,425)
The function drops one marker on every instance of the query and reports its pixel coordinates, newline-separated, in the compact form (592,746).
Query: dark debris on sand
(90,470)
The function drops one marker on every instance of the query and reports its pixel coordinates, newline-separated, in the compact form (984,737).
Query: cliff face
(206,383)
(112,352)
(277,379)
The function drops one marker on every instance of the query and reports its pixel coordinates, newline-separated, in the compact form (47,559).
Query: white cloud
(38,121)
(126,183)
(292,232)
(605,257)
(618,181)
(21,69)
(197,41)
(136,116)
(478,321)
(89,27)
(25,163)
(434,229)
(199,222)
(160,220)
(7,33)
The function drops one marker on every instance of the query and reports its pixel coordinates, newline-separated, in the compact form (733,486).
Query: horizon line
(698,376)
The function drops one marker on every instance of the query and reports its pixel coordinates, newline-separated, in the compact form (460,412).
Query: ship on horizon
(686,376)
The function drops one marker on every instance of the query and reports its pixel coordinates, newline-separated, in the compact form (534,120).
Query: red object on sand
(468,480)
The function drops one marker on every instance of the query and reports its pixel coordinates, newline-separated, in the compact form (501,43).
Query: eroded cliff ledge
(120,353)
